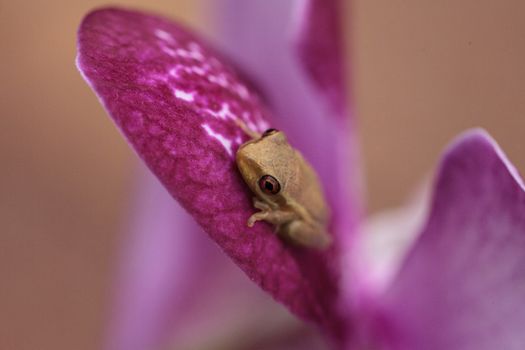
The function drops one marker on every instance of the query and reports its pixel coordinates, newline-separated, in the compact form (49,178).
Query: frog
(287,191)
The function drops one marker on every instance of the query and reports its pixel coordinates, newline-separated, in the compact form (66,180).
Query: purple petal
(163,256)
(462,285)
(383,242)
(176,103)
(320,46)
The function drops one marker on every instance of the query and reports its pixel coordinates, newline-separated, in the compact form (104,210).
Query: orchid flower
(454,280)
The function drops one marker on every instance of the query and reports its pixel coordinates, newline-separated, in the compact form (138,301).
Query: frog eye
(269,132)
(269,184)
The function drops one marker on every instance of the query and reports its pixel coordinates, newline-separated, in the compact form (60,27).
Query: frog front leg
(268,214)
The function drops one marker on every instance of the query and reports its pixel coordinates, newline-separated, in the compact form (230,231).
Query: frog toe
(256,217)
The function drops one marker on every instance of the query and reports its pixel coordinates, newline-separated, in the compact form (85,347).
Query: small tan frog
(287,190)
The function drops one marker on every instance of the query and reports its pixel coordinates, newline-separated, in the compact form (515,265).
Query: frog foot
(263,214)
(259,216)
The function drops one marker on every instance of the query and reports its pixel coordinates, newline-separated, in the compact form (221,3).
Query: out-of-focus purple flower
(456,282)
(459,282)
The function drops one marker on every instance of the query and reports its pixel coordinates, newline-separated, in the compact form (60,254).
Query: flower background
(422,72)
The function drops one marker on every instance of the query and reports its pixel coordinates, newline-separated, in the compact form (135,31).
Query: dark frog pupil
(269,184)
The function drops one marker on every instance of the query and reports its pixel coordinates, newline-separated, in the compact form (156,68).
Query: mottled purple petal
(320,47)
(177,102)
(463,284)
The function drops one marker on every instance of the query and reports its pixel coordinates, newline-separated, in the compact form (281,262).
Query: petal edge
(462,286)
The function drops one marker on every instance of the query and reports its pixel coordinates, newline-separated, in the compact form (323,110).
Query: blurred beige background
(422,72)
